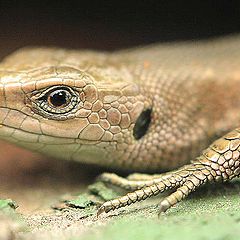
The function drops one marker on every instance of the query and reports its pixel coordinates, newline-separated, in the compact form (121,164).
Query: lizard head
(79,106)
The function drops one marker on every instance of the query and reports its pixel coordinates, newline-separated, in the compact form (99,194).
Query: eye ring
(56,100)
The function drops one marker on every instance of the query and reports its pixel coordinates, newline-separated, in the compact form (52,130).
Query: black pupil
(142,124)
(58,98)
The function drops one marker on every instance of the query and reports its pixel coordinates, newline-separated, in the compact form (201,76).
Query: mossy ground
(48,210)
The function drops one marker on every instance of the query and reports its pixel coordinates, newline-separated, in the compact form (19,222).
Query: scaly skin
(189,90)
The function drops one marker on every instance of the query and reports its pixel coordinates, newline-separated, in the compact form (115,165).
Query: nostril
(142,124)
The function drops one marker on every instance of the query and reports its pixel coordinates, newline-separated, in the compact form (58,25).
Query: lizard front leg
(219,162)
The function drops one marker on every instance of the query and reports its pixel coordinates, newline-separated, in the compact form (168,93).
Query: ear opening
(142,124)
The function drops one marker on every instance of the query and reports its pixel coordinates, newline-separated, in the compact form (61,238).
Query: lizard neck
(188,112)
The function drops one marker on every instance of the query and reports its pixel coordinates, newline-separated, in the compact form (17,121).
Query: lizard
(168,111)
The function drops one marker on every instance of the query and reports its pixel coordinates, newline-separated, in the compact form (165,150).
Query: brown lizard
(147,109)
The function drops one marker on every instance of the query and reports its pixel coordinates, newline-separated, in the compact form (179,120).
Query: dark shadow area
(112,24)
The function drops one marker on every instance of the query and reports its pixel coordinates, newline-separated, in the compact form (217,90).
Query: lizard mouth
(88,151)
(13,134)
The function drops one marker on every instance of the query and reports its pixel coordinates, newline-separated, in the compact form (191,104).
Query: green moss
(10,220)
(101,190)
(206,227)
(81,201)
(213,213)
(7,205)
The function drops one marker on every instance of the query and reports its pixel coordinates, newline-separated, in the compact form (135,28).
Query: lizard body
(151,108)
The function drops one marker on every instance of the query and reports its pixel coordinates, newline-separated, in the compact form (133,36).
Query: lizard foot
(219,162)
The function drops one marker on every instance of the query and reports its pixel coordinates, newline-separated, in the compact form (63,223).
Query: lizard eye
(142,124)
(57,100)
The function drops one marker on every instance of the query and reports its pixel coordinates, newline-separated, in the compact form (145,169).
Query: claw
(100,211)
(218,162)
(163,206)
